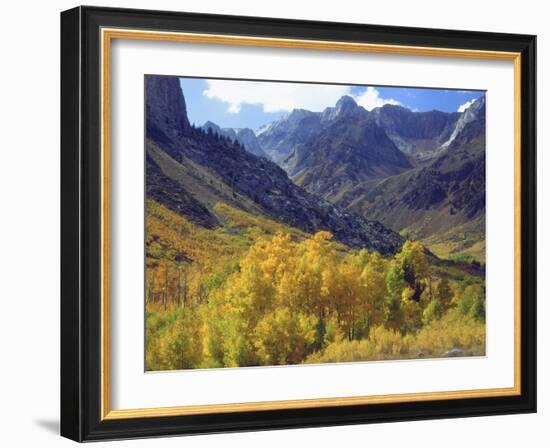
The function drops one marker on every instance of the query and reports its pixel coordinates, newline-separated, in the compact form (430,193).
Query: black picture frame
(81,224)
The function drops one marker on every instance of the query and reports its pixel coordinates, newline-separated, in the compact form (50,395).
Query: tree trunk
(149,295)
(185,287)
(165,292)
(179,286)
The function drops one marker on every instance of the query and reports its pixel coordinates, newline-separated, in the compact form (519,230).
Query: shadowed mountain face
(419,173)
(419,134)
(278,139)
(423,172)
(301,126)
(349,149)
(248,138)
(170,112)
(191,166)
(166,190)
(244,136)
(447,192)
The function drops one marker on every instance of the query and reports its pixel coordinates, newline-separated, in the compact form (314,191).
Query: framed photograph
(276,224)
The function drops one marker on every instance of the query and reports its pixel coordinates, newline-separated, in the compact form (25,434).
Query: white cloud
(370,99)
(284,97)
(274,97)
(465,106)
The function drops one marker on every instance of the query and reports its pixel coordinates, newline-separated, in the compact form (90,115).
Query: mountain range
(419,173)
(436,197)
(244,136)
(187,165)
(366,176)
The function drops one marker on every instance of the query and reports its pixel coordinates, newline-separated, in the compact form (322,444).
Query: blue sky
(252,104)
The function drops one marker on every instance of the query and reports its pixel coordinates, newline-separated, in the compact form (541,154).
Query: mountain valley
(420,173)
(337,235)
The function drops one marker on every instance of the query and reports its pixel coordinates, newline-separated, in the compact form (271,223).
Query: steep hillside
(228,173)
(420,173)
(349,150)
(419,134)
(448,192)
(279,138)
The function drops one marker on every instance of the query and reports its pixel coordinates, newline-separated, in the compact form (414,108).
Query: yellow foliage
(452,331)
(413,258)
(381,344)
(432,341)
(256,292)
(282,337)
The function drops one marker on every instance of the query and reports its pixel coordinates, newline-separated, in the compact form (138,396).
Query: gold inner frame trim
(107,35)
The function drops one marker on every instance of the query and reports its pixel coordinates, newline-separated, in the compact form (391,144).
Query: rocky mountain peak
(418,134)
(296,116)
(166,109)
(245,136)
(248,138)
(392,109)
(345,101)
(476,111)
(245,133)
(211,125)
(344,107)
(476,108)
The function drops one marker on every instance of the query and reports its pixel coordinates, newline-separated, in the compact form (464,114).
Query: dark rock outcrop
(166,111)
(163,189)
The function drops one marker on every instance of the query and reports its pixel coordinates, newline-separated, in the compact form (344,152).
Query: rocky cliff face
(473,113)
(348,150)
(279,138)
(419,134)
(345,107)
(167,191)
(168,112)
(448,191)
(248,138)
(421,170)
(245,136)
(258,180)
